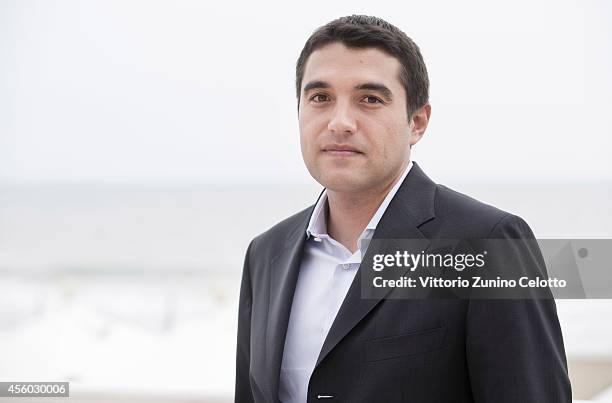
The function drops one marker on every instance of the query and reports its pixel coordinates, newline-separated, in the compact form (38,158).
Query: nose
(342,120)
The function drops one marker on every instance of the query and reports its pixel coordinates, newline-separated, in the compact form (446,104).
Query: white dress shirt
(326,273)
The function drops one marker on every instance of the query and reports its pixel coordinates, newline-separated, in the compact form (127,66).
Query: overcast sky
(202,92)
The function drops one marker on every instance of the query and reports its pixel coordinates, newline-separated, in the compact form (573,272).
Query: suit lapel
(411,206)
(284,268)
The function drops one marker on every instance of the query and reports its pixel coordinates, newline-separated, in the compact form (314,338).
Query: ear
(418,123)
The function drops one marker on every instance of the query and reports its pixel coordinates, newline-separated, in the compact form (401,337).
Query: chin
(342,183)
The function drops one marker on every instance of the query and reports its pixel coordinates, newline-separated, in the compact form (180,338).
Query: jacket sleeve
(515,347)
(243,393)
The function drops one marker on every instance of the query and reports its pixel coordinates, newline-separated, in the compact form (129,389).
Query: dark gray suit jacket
(403,350)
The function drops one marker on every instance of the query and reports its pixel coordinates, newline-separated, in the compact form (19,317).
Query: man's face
(354,130)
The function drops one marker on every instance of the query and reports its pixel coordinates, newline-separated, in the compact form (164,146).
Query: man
(305,334)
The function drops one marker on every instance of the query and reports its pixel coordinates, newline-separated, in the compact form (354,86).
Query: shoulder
(461,213)
(269,242)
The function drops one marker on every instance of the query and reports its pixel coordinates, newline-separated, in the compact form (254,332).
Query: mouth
(341,151)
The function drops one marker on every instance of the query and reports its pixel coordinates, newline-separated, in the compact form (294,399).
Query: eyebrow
(380,88)
(316,85)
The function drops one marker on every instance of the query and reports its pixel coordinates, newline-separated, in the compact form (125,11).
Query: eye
(318,98)
(370,99)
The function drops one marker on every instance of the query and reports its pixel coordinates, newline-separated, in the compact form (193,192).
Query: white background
(203,92)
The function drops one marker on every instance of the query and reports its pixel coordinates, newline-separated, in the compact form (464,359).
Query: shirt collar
(317,226)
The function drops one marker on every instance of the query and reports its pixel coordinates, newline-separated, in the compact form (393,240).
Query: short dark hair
(362,31)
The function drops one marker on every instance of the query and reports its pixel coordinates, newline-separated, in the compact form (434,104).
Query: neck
(350,212)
